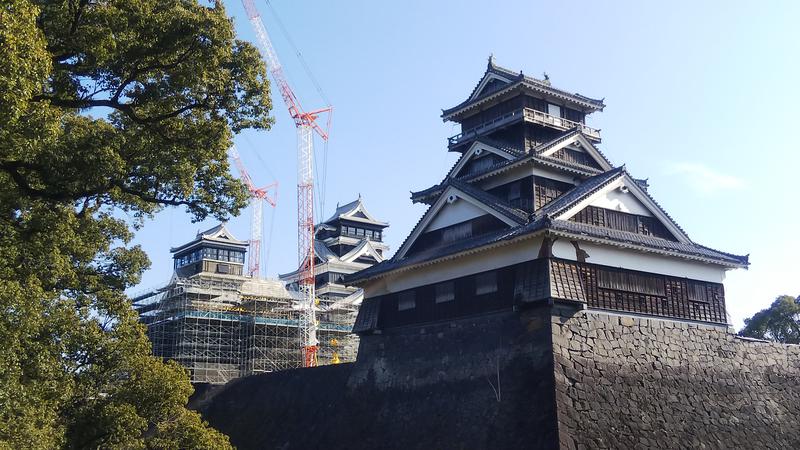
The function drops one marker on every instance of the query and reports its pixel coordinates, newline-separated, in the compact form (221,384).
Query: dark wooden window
(697,292)
(601,287)
(445,292)
(406,300)
(573,115)
(630,281)
(652,294)
(456,232)
(546,190)
(622,221)
(486,283)
(518,193)
(575,157)
(481,163)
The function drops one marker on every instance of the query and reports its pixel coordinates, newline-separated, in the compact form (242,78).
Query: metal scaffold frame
(224,328)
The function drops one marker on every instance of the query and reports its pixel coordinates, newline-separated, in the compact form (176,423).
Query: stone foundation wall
(630,382)
(480,382)
(543,378)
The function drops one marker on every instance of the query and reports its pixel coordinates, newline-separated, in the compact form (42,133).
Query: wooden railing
(529,115)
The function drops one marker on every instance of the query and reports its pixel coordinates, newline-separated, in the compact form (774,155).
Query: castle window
(697,292)
(553,110)
(458,231)
(631,282)
(514,191)
(445,292)
(486,283)
(406,300)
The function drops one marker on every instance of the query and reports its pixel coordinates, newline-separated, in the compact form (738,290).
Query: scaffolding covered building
(222,324)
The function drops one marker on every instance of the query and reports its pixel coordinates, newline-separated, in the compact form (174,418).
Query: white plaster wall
(459,211)
(645,262)
(619,201)
(507,255)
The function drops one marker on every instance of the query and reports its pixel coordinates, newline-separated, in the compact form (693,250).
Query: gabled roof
(512,80)
(322,252)
(455,189)
(538,156)
(576,137)
(364,248)
(575,199)
(355,211)
(554,218)
(478,147)
(218,234)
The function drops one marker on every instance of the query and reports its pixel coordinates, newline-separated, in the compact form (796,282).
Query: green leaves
(109,111)
(780,322)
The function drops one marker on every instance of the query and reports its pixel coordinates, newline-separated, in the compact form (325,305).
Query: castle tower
(214,251)
(349,241)
(534,212)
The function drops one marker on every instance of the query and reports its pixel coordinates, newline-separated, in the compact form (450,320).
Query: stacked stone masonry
(548,377)
(630,382)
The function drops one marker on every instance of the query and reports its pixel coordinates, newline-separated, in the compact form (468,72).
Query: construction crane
(257,197)
(306,124)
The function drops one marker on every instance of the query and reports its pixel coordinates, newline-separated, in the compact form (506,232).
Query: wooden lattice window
(445,292)
(630,282)
(406,300)
(697,292)
(622,221)
(486,283)
(546,190)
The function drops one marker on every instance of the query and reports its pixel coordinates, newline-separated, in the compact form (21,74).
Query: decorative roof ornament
(546,79)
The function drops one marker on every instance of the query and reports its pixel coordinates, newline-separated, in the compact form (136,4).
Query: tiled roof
(576,194)
(492,201)
(522,158)
(567,135)
(543,220)
(651,242)
(516,79)
(349,208)
(501,145)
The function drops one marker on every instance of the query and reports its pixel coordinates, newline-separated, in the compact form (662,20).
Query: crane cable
(320,186)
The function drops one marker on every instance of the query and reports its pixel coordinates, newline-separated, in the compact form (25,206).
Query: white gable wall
(454,213)
(620,201)
(634,260)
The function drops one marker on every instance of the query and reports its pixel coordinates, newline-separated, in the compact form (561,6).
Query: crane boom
(306,125)
(257,197)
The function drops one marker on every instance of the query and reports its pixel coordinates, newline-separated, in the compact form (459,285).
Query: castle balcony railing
(528,115)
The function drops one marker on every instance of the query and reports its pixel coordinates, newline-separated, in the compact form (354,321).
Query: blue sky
(702,100)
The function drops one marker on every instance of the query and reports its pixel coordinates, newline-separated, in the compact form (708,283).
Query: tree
(109,111)
(780,322)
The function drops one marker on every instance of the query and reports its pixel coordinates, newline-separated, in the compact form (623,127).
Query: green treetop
(780,322)
(109,109)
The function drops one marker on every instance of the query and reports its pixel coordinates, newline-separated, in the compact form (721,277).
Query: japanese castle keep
(544,300)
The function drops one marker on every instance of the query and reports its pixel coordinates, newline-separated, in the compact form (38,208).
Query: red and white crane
(306,124)
(257,197)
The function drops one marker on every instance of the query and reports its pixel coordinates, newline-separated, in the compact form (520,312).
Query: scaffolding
(223,327)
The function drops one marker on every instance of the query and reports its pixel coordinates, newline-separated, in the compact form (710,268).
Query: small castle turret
(214,251)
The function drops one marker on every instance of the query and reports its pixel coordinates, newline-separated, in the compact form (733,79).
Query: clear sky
(702,99)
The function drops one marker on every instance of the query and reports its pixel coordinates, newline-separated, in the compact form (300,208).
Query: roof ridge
(579,192)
